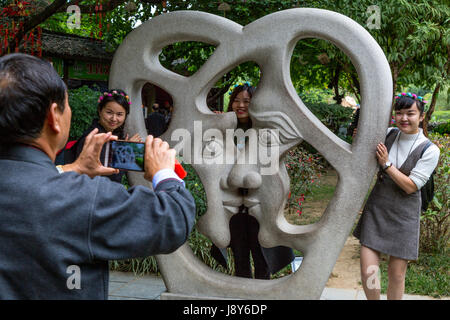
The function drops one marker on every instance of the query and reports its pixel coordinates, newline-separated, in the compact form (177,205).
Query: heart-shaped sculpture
(275,107)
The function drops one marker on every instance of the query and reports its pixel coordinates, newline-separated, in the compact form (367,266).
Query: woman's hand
(382,154)
(402,180)
(135,138)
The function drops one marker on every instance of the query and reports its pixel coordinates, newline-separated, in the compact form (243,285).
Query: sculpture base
(179,296)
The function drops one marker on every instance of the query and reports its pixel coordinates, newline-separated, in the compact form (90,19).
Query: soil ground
(346,272)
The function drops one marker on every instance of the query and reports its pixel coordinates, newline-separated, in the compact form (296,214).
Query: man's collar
(26,153)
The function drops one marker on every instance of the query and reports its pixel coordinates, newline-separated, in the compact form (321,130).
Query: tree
(38,11)
(414,37)
(192,55)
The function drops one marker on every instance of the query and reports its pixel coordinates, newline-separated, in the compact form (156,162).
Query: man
(58,230)
(155,122)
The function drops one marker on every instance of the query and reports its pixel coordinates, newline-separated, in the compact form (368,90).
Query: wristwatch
(387,165)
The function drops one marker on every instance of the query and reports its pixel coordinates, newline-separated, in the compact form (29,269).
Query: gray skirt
(390,222)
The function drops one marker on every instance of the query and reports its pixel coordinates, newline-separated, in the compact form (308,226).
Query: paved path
(127,286)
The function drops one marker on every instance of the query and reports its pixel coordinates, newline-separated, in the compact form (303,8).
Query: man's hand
(158,156)
(88,161)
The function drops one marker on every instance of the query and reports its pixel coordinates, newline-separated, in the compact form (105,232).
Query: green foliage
(441,115)
(83,102)
(434,223)
(334,116)
(116,24)
(304,171)
(139,266)
(427,276)
(418,90)
(186,57)
(442,127)
(414,37)
(195,187)
(314,96)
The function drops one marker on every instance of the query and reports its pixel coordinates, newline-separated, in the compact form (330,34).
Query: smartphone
(125,155)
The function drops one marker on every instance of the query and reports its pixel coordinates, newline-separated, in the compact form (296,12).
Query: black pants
(244,240)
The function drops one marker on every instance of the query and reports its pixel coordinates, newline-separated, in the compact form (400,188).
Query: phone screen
(125,155)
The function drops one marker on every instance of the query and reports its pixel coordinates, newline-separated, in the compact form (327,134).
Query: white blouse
(405,144)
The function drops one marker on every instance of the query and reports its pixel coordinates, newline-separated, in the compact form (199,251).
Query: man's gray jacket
(58,231)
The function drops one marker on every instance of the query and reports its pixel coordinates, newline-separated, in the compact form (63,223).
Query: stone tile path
(127,286)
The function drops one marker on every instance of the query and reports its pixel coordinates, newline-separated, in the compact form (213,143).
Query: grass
(316,200)
(322,192)
(428,276)
(440,115)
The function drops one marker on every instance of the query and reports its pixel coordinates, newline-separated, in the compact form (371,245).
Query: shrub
(442,127)
(440,116)
(336,117)
(434,222)
(304,169)
(426,276)
(333,116)
(83,102)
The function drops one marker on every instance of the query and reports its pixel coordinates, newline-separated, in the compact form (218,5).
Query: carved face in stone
(280,121)
(251,167)
(256,177)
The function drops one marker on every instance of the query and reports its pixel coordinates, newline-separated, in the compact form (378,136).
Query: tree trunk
(394,69)
(335,84)
(430,111)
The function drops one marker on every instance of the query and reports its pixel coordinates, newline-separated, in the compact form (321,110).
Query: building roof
(75,47)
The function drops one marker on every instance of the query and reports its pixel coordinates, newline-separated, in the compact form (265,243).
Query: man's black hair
(28,87)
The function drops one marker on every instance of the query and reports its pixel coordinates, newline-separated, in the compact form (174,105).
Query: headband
(246,83)
(113,93)
(410,95)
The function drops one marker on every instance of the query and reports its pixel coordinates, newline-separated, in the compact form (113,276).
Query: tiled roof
(67,45)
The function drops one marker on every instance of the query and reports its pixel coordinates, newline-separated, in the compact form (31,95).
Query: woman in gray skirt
(390,220)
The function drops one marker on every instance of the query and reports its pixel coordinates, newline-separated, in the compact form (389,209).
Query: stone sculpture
(275,108)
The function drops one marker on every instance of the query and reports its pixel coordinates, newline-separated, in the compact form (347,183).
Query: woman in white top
(390,220)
